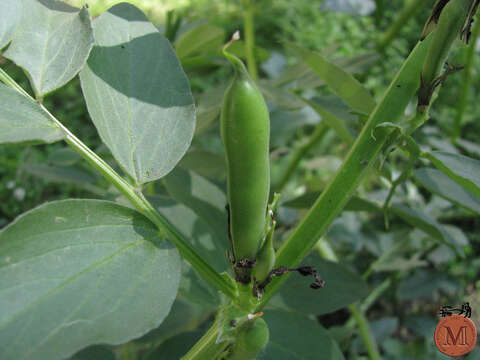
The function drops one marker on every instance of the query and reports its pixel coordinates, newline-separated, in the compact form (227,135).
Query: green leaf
(293,336)
(10,12)
(80,272)
(469,147)
(22,120)
(418,219)
(95,352)
(208,108)
(474,355)
(65,156)
(342,287)
(283,125)
(335,114)
(64,174)
(182,317)
(425,284)
(200,230)
(342,83)
(279,96)
(137,94)
(196,290)
(175,347)
(199,39)
(440,184)
(200,215)
(193,288)
(462,169)
(204,163)
(204,198)
(52,43)
(238,49)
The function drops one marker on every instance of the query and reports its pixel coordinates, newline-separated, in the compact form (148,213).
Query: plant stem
(370,300)
(249,29)
(137,199)
(466,81)
(407,12)
(318,134)
(206,348)
(353,170)
(365,332)
(377,292)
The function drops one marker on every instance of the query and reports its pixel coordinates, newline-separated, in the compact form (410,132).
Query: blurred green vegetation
(358,238)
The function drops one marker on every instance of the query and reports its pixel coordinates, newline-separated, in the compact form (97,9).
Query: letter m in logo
(461,335)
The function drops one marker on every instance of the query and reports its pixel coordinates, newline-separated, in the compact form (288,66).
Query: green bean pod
(450,24)
(245,130)
(250,341)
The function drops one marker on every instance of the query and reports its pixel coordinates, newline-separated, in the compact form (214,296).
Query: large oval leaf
(293,336)
(10,11)
(81,272)
(137,94)
(342,287)
(52,43)
(23,120)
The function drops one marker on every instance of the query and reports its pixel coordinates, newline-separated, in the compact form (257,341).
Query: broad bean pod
(245,131)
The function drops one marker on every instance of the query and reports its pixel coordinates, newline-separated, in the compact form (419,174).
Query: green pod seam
(250,340)
(450,24)
(245,130)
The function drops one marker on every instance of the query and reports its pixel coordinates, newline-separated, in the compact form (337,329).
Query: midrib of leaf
(75,48)
(129,109)
(68,280)
(43,55)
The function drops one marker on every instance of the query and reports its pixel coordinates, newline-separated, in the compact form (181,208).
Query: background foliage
(410,276)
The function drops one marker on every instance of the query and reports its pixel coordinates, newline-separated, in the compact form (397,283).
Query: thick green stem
(206,348)
(137,199)
(299,153)
(249,30)
(405,15)
(466,81)
(354,169)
